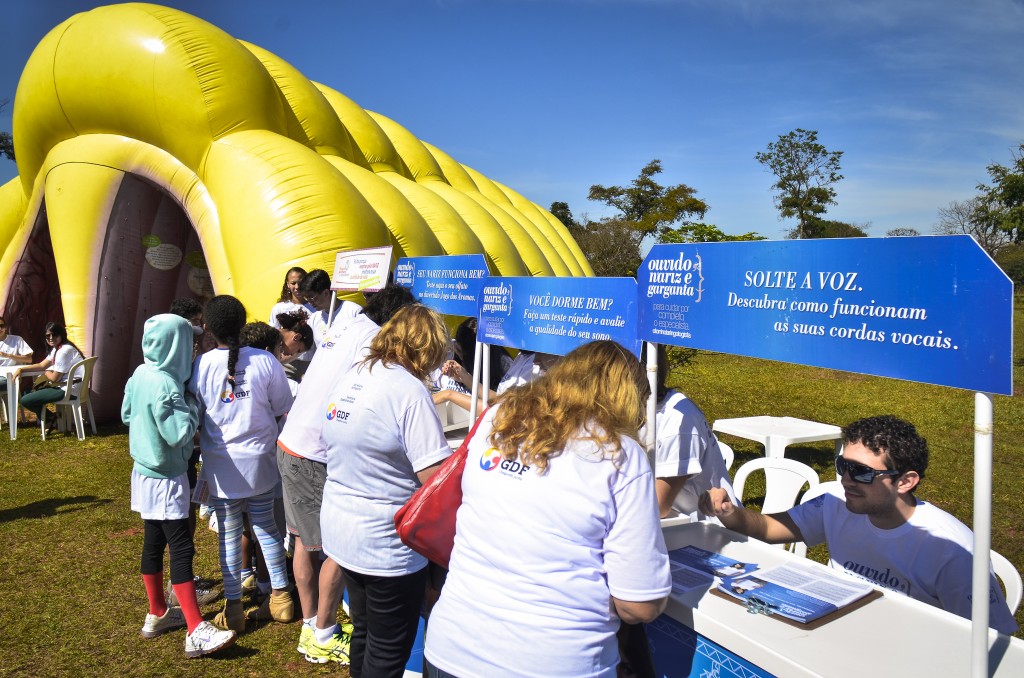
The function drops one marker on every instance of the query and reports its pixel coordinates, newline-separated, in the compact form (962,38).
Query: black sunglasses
(861,473)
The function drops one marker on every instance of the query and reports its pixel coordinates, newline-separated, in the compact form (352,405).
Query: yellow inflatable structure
(159,157)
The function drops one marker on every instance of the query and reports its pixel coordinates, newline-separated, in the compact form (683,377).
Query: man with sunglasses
(877,529)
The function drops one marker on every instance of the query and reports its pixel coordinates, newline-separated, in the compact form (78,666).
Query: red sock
(186,593)
(155,592)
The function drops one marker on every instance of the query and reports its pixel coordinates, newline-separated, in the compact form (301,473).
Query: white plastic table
(931,642)
(778,433)
(14,394)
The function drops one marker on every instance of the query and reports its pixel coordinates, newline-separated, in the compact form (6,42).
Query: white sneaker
(205,511)
(155,626)
(205,592)
(207,638)
(213,522)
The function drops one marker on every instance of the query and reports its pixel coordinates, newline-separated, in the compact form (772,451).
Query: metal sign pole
(982,533)
(652,400)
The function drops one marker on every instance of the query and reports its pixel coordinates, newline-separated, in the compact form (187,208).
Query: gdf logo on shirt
(334,414)
(490,459)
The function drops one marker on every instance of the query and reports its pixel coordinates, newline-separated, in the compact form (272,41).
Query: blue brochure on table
(710,562)
(802,592)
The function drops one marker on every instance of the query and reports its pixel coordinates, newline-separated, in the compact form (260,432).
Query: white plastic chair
(76,395)
(727,454)
(452,416)
(1011,580)
(783,479)
(820,489)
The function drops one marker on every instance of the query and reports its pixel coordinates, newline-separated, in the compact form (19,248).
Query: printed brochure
(797,591)
(694,568)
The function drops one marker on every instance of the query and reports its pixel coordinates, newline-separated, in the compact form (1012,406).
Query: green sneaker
(334,650)
(306,636)
(347,629)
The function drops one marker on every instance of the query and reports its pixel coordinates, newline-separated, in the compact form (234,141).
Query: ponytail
(225,317)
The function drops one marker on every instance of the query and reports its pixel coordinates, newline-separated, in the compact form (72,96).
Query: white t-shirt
(282,307)
(929,558)
(62,359)
(343,311)
(344,347)
(381,429)
(442,382)
(685,445)
(13,345)
(537,559)
(239,424)
(523,370)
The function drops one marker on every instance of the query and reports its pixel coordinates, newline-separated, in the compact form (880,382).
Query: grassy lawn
(72,602)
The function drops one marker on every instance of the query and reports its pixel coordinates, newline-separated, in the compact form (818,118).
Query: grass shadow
(46,508)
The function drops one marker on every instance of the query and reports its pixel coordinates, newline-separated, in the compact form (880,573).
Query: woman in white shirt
(557,538)
(383,441)
(58,361)
(291,301)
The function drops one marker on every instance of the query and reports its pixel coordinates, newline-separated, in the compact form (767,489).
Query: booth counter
(890,636)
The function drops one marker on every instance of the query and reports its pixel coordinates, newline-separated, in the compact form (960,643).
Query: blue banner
(555,315)
(932,309)
(449,284)
(680,652)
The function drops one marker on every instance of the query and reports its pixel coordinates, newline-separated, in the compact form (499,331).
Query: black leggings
(175,535)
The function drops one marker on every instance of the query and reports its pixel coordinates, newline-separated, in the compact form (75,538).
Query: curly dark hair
(225,317)
(897,441)
(295,321)
(186,307)
(259,335)
(380,306)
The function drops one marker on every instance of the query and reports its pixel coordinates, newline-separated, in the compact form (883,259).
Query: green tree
(696,231)
(828,228)
(611,245)
(6,140)
(805,171)
(1006,194)
(647,205)
(1011,260)
(562,212)
(980,217)
(901,232)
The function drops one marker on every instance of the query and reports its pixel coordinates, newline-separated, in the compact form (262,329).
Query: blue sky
(551,96)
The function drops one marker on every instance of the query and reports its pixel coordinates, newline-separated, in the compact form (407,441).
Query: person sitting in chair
(13,351)
(56,365)
(879,531)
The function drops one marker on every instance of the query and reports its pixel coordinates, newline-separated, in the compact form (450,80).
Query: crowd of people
(311,430)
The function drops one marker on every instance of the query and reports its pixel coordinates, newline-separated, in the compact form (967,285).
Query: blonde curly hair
(415,338)
(598,392)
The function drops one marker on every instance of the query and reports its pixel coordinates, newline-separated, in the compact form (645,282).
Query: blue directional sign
(448,284)
(555,315)
(932,309)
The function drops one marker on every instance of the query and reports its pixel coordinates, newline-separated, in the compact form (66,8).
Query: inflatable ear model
(159,157)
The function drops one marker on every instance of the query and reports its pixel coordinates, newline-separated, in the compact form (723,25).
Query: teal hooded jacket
(161,418)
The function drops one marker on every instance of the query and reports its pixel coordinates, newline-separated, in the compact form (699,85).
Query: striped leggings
(229,533)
